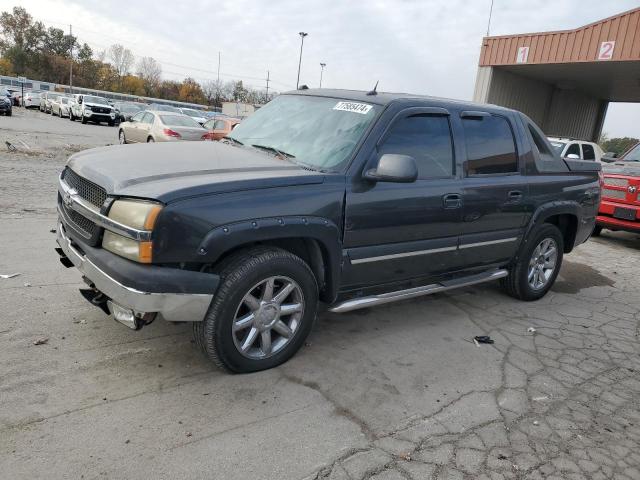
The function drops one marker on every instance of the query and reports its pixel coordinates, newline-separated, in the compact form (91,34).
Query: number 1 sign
(523,55)
(606,50)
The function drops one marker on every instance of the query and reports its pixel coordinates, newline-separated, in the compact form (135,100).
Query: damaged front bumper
(176,295)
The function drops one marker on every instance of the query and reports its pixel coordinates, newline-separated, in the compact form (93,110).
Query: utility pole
(302,35)
(218,83)
(322,65)
(266,99)
(71,57)
(489,22)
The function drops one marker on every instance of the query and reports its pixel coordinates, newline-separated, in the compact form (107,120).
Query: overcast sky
(419,46)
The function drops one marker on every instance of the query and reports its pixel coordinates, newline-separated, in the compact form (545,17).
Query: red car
(620,205)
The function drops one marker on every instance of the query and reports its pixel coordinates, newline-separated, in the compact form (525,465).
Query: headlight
(88,110)
(137,214)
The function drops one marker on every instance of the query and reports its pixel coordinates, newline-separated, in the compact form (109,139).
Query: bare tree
(151,73)
(210,90)
(122,59)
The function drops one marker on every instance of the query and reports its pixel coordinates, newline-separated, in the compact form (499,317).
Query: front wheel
(150,140)
(84,120)
(262,312)
(596,231)
(538,264)
(122,138)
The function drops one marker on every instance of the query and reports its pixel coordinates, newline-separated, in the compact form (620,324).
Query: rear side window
(574,149)
(427,139)
(588,152)
(148,118)
(491,148)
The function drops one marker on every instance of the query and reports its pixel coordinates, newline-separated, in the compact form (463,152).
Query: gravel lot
(397,392)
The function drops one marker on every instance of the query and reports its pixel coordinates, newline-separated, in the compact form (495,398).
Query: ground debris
(9,275)
(41,341)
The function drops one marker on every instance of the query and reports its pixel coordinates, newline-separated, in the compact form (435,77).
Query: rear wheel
(84,120)
(597,231)
(262,312)
(150,140)
(538,265)
(122,138)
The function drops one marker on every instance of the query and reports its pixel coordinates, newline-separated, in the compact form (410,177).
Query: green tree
(617,145)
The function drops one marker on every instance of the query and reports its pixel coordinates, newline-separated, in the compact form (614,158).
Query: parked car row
(164,125)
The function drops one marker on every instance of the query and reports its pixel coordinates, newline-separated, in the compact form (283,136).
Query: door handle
(452,200)
(515,195)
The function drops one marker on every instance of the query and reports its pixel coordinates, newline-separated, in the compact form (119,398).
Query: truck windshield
(633,155)
(558,146)
(318,132)
(96,100)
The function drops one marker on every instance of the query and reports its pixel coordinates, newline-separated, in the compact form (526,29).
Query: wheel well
(568,225)
(308,249)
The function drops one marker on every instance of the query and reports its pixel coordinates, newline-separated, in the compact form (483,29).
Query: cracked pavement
(396,392)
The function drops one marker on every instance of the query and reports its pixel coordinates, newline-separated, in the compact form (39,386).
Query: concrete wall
(565,113)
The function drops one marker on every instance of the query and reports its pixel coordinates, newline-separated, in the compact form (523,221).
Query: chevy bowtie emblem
(632,189)
(67,197)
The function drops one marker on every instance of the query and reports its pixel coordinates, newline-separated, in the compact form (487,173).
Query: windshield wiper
(274,150)
(237,142)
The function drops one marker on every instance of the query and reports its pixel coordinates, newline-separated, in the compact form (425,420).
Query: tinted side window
(427,139)
(588,152)
(490,145)
(220,125)
(148,118)
(574,149)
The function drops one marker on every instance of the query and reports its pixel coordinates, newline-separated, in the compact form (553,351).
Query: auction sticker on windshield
(354,107)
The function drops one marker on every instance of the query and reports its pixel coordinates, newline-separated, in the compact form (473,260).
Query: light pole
(322,65)
(302,35)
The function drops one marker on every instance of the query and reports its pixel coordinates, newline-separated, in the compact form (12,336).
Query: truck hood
(622,168)
(171,171)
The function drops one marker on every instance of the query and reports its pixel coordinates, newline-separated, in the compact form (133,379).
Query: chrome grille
(616,182)
(610,193)
(91,192)
(82,224)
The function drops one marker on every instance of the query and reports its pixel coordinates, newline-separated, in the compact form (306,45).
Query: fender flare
(225,238)
(560,207)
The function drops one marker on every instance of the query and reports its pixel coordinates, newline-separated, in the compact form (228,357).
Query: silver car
(158,126)
(60,106)
(46,99)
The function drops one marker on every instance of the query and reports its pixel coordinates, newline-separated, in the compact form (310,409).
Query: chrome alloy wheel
(542,263)
(268,317)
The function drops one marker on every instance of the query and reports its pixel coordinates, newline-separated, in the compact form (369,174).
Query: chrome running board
(373,300)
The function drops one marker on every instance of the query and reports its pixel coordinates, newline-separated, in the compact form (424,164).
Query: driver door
(405,231)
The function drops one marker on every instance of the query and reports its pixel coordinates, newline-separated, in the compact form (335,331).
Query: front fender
(225,238)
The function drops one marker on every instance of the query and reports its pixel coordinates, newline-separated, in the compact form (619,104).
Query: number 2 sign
(606,50)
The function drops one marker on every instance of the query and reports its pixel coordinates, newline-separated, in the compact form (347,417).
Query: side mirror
(394,168)
(573,156)
(609,157)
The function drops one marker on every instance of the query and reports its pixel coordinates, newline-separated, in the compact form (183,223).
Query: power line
(164,62)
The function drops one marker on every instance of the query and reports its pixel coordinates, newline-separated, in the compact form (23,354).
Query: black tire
(150,140)
(517,283)
(122,137)
(596,231)
(112,124)
(238,274)
(9,113)
(84,120)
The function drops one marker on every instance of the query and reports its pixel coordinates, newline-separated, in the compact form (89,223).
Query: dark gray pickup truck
(340,198)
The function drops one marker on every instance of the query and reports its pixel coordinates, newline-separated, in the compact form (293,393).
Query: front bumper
(5,107)
(173,306)
(607,220)
(99,117)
